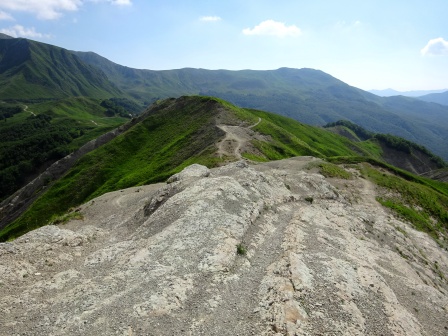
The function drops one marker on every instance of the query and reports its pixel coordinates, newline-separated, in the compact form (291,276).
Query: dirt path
(252,126)
(25,108)
(368,193)
(236,138)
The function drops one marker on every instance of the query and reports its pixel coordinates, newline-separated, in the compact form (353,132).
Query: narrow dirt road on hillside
(235,140)
(25,108)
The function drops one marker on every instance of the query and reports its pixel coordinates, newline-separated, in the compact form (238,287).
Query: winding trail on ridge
(235,139)
(25,108)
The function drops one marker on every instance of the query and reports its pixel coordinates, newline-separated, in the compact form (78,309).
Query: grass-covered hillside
(32,70)
(419,200)
(51,103)
(34,135)
(174,133)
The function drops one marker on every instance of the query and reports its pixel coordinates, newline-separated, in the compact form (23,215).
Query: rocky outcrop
(417,162)
(439,174)
(269,249)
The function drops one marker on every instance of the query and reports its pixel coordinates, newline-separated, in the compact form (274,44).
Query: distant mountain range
(431,96)
(439,98)
(33,70)
(307,95)
(415,93)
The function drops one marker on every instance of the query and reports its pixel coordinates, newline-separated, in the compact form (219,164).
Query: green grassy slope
(292,138)
(421,201)
(174,134)
(65,102)
(45,132)
(33,70)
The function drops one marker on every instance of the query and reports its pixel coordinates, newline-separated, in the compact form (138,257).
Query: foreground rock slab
(270,249)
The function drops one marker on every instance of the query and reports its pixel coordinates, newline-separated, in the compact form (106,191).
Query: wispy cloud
(52,9)
(273,28)
(435,47)
(113,2)
(122,2)
(21,31)
(347,26)
(5,16)
(210,18)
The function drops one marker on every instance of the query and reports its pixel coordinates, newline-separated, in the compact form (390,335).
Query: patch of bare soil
(237,141)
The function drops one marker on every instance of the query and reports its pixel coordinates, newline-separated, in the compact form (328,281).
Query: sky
(369,44)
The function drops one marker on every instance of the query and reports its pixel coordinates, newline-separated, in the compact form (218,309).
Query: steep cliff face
(268,249)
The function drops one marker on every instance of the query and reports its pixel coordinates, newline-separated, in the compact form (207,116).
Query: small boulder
(193,171)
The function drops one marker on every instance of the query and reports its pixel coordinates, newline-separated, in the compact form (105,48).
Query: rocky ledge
(269,249)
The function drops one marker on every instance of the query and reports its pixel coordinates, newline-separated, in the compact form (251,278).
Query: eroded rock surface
(317,257)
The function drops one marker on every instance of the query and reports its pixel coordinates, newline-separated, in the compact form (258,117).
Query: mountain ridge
(307,95)
(439,98)
(4,36)
(413,93)
(168,136)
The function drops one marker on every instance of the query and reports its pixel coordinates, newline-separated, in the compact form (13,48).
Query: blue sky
(401,44)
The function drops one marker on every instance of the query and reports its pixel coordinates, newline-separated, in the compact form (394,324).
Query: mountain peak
(5,37)
(36,70)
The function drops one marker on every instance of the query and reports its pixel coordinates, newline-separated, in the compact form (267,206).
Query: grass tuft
(241,249)
(332,170)
(66,218)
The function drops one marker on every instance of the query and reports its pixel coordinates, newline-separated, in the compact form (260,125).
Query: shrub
(309,199)
(241,249)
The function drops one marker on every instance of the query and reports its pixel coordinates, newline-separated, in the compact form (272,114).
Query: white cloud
(122,2)
(21,31)
(5,16)
(43,9)
(210,18)
(273,28)
(435,47)
(52,9)
(113,2)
